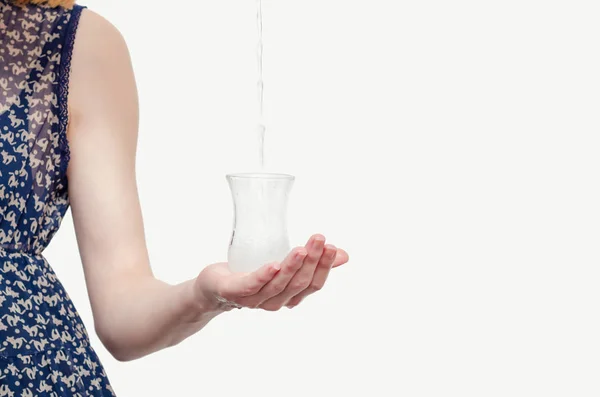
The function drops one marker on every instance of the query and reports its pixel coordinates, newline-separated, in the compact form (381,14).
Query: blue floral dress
(44,345)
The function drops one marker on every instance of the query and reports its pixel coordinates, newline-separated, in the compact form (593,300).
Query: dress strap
(63,85)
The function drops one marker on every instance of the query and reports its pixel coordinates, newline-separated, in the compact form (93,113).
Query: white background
(450,147)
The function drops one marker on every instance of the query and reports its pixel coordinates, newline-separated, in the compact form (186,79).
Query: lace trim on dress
(63,87)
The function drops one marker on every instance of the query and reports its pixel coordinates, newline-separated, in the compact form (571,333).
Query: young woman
(68,135)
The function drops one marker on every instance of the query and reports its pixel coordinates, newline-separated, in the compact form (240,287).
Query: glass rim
(259,175)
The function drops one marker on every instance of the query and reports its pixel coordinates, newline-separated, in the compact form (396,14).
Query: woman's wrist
(198,303)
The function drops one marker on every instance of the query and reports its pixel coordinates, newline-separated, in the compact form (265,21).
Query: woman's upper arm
(103,131)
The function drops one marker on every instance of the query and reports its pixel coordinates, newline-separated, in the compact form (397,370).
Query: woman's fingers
(303,278)
(325,264)
(341,258)
(303,272)
(321,273)
(291,264)
(241,286)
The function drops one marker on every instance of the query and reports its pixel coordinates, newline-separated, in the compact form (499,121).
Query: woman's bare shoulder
(100,66)
(98,37)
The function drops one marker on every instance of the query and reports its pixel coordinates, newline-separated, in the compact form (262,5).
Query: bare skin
(135,314)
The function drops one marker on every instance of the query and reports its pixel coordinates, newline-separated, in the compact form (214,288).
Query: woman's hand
(303,272)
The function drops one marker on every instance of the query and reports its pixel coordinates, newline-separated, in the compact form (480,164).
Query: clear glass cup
(260,233)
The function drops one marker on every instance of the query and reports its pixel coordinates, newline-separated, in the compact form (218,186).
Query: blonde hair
(51,3)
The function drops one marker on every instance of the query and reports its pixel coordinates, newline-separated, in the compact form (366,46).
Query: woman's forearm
(145,315)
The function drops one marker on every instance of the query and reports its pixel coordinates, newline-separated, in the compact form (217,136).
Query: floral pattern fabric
(44,345)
